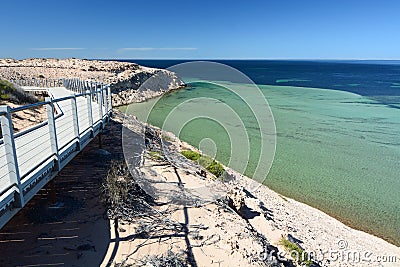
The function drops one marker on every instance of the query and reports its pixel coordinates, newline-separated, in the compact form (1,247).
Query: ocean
(337,133)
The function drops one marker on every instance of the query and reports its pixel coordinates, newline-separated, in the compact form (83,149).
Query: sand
(234,235)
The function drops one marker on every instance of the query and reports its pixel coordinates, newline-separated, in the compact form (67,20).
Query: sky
(265,29)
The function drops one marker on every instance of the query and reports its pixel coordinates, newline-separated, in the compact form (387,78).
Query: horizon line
(287,59)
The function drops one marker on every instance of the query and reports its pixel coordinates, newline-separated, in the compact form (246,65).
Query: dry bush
(122,196)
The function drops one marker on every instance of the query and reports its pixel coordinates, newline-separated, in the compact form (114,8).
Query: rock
(236,199)
(129,82)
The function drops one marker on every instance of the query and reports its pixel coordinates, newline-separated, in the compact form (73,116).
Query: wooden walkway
(76,113)
(77,233)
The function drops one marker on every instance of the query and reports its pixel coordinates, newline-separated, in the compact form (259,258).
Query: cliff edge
(126,79)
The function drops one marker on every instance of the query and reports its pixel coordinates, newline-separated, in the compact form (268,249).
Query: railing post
(109,98)
(52,130)
(105,99)
(96,91)
(75,119)
(89,106)
(92,90)
(11,153)
(100,102)
(90,84)
(87,86)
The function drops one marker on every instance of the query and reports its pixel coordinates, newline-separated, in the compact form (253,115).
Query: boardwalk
(76,113)
(78,232)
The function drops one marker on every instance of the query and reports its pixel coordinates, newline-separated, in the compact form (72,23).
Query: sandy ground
(27,118)
(236,235)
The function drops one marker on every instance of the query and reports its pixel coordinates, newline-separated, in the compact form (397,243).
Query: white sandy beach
(234,242)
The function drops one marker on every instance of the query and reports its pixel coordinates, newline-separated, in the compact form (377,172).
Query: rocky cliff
(148,83)
(127,80)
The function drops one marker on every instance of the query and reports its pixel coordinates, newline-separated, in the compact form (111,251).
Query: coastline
(297,177)
(292,217)
(316,231)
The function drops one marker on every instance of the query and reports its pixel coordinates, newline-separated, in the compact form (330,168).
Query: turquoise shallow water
(336,151)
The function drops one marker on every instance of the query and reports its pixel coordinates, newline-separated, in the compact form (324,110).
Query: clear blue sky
(278,29)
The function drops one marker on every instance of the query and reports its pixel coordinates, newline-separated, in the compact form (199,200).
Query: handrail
(40,82)
(81,116)
(34,105)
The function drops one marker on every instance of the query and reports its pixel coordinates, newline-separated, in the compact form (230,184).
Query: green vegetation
(5,89)
(10,93)
(296,252)
(192,155)
(215,168)
(210,164)
(156,155)
(205,161)
(167,138)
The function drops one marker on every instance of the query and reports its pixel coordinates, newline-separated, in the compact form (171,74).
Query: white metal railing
(32,157)
(38,83)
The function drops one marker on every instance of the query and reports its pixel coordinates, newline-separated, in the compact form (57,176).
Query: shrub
(210,164)
(192,155)
(115,185)
(215,168)
(122,196)
(9,92)
(296,252)
(205,161)
(171,259)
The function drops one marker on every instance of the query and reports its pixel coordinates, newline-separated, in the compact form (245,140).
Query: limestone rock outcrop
(129,82)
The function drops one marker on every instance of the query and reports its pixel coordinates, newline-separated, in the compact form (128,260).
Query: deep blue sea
(337,128)
(375,79)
